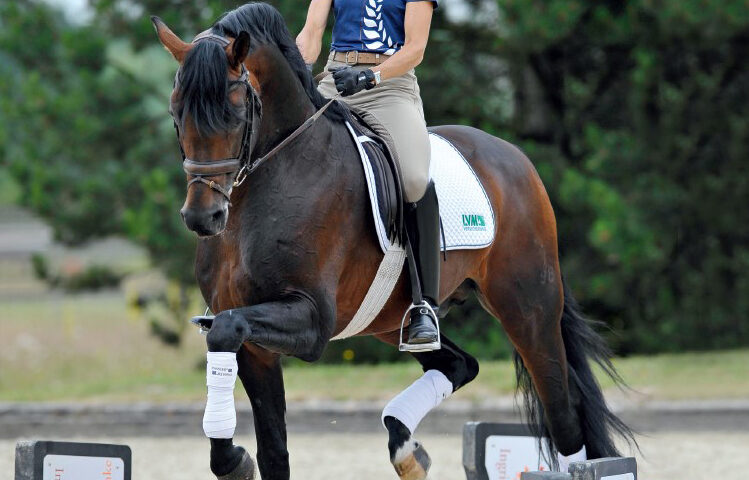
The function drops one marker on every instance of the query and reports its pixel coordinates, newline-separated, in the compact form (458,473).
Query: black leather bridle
(239,165)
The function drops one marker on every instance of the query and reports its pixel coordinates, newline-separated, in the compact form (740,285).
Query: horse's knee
(227,332)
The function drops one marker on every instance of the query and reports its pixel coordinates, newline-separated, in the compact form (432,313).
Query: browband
(208,35)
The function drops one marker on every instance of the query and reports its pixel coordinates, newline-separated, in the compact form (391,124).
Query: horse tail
(583,345)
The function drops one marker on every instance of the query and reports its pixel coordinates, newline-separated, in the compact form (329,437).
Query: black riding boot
(423,224)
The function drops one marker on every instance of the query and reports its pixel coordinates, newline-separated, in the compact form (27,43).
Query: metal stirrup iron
(420,347)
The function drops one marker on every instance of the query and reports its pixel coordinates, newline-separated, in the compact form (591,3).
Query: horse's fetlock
(225,456)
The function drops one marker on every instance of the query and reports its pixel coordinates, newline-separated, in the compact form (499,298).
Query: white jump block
(621,468)
(48,460)
(497,451)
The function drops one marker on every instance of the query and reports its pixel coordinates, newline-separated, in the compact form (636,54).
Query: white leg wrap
(564,462)
(220,418)
(412,404)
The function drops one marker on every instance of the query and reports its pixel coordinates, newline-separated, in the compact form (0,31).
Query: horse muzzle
(205,223)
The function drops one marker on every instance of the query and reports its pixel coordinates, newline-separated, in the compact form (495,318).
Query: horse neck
(285,104)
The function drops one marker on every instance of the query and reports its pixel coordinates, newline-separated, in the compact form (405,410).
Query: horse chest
(222,278)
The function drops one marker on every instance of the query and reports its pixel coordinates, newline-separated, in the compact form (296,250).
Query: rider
(376,45)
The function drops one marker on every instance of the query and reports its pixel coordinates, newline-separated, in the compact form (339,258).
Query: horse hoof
(413,465)
(244,471)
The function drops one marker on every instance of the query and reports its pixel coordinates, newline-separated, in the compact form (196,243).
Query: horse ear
(239,49)
(171,42)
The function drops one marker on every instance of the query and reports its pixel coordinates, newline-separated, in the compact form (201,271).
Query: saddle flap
(376,144)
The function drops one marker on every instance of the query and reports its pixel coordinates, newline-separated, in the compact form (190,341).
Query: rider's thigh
(396,104)
(405,122)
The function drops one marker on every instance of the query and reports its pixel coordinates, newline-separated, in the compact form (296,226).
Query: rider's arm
(416,26)
(309,39)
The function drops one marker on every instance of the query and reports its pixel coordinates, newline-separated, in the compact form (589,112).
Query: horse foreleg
(262,378)
(445,371)
(293,326)
(298,325)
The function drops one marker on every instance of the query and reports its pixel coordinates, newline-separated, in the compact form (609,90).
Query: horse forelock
(203,90)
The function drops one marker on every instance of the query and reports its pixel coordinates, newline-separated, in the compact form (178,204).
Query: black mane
(204,80)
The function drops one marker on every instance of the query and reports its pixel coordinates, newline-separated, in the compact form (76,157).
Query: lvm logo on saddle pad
(467,215)
(473,222)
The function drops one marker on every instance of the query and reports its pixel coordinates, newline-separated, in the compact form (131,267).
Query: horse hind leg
(446,370)
(530,311)
(554,345)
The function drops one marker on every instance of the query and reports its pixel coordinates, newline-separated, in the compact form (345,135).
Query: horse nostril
(217,215)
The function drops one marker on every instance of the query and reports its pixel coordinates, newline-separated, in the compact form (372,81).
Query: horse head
(214,107)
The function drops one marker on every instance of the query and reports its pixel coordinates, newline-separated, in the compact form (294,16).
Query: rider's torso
(369,25)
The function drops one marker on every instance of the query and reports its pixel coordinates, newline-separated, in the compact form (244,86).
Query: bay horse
(286,253)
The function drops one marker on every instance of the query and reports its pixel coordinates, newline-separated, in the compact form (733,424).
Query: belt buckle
(356,57)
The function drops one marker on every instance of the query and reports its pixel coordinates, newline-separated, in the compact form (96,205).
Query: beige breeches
(396,104)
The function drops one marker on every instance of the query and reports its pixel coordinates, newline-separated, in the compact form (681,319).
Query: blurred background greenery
(635,113)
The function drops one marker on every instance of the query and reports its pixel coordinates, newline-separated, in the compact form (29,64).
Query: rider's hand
(349,81)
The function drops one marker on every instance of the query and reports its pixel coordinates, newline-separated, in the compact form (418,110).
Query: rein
(242,165)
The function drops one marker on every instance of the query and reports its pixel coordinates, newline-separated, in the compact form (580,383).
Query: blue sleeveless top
(370,25)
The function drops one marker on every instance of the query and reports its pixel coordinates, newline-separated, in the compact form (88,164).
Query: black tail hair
(582,345)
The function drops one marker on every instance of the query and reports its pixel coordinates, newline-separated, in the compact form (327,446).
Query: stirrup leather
(419,347)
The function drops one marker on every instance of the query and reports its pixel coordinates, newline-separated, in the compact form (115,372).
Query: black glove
(349,81)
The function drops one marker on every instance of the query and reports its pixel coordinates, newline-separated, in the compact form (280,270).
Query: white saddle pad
(467,220)
(467,216)
(466,213)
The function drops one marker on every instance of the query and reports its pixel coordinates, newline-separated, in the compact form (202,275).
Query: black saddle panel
(382,157)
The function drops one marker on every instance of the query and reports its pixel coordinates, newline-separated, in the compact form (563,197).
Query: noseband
(242,165)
